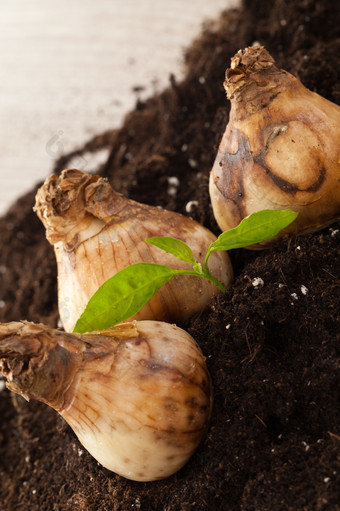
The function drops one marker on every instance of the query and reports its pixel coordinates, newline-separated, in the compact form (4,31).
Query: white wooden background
(68,69)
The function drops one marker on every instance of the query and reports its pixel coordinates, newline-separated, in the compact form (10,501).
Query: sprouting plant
(124,294)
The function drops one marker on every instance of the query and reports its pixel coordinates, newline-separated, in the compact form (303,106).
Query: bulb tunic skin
(280,148)
(97,232)
(138,395)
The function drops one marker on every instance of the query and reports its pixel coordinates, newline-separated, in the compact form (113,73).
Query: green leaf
(123,295)
(254,228)
(173,246)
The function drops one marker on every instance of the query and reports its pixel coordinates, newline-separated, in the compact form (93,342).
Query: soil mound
(273,351)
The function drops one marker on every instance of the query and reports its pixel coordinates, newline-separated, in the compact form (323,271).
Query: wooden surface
(68,69)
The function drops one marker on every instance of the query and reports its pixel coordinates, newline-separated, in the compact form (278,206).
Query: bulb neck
(43,363)
(253,80)
(39,362)
(75,198)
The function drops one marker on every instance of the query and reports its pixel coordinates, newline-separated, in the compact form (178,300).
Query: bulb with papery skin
(280,148)
(97,232)
(138,396)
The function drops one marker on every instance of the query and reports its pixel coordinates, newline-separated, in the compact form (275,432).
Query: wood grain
(68,70)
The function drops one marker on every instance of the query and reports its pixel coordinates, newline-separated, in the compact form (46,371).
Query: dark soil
(273,351)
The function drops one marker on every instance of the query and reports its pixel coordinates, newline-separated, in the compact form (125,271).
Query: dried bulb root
(280,148)
(97,232)
(138,396)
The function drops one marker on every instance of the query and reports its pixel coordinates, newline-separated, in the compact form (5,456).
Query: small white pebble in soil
(334,232)
(192,163)
(2,304)
(201,80)
(294,295)
(298,247)
(137,504)
(80,452)
(34,492)
(326,479)
(227,326)
(306,446)
(184,148)
(191,205)
(304,289)
(173,181)
(280,285)
(172,191)
(257,282)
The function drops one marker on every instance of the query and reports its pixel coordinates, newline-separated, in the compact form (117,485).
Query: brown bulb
(138,396)
(280,148)
(97,232)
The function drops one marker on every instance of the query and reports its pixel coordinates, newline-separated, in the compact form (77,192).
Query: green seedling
(124,294)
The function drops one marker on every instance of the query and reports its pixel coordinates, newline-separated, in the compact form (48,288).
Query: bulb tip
(245,65)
